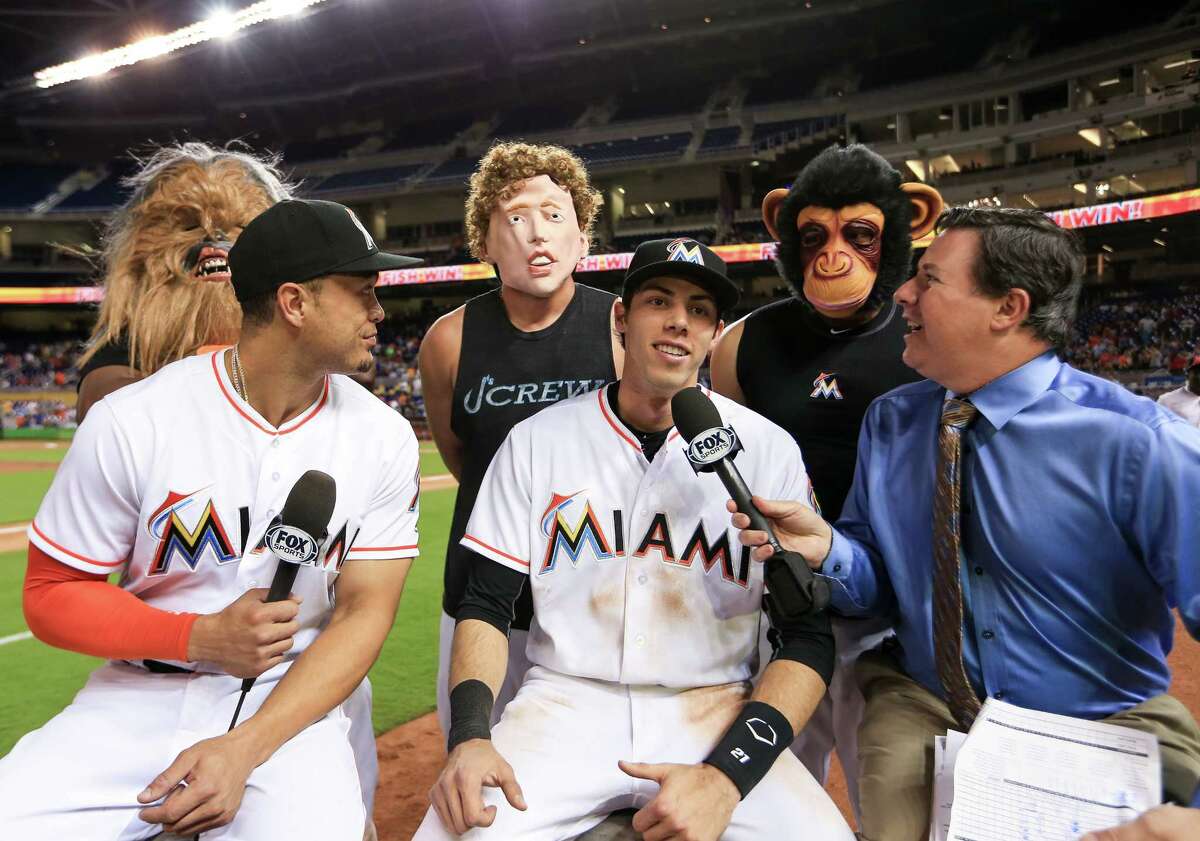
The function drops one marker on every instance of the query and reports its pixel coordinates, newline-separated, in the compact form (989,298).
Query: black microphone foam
(693,413)
(307,509)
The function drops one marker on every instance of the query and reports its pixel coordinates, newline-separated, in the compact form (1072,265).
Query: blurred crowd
(1152,334)
(1147,334)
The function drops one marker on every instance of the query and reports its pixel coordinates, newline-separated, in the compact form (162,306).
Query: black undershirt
(651,442)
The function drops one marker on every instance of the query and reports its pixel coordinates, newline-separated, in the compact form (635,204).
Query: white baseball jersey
(173,482)
(637,574)
(1183,403)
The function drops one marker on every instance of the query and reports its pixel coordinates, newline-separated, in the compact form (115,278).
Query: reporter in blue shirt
(1079,520)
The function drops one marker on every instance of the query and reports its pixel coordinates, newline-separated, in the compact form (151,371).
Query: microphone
(794,591)
(295,538)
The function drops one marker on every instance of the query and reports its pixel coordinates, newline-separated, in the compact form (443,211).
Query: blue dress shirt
(1080,531)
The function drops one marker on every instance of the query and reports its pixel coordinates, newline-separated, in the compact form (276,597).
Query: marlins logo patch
(826,386)
(562,535)
(169,525)
(685,250)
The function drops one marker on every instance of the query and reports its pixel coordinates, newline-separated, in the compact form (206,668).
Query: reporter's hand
(214,772)
(797,527)
(1163,823)
(249,636)
(457,796)
(694,802)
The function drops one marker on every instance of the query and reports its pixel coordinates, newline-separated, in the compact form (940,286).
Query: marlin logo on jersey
(571,539)
(175,538)
(826,386)
(501,394)
(685,250)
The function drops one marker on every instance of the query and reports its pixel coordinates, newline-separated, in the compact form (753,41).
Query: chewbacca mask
(166,276)
(845,230)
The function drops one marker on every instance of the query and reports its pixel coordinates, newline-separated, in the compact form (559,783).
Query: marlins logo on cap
(685,250)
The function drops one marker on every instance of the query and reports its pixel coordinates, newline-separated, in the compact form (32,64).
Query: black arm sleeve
(491,594)
(808,640)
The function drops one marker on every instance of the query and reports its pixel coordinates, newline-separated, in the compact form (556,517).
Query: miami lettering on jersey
(169,526)
(504,394)
(826,386)
(572,536)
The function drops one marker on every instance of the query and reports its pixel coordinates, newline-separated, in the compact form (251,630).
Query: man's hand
(457,796)
(797,527)
(247,637)
(205,784)
(694,802)
(1163,823)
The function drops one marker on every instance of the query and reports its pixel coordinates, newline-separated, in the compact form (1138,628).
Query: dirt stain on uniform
(603,601)
(674,604)
(711,709)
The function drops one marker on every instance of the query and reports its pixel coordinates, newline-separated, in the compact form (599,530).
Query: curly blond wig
(504,169)
(182,195)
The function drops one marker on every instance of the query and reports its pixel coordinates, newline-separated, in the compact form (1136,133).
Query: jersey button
(275,476)
(275,442)
(639,641)
(642,578)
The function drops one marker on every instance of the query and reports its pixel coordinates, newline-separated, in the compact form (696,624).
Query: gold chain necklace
(239,375)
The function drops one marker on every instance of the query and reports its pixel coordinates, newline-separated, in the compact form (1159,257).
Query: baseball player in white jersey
(646,610)
(173,483)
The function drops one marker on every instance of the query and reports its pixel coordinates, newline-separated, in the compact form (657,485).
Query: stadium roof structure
(393,64)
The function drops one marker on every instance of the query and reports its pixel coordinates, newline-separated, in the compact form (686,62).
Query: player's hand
(694,802)
(214,772)
(797,527)
(1163,823)
(457,796)
(247,637)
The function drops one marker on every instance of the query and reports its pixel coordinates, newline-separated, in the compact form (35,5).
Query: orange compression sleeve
(81,611)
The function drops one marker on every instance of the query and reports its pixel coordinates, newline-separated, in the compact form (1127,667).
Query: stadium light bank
(219,25)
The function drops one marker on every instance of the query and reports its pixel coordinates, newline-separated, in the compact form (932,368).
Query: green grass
(39,434)
(403,678)
(21,493)
(37,452)
(405,674)
(432,464)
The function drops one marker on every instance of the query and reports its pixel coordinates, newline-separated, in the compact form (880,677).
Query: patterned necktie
(957,415)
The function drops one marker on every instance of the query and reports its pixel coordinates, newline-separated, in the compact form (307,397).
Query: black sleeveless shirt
(506,375)
(817,383)
(109,353)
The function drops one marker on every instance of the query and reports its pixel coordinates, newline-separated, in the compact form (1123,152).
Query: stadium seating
(300,151)
(365,179)
(720,139)
(25,185)
(104,195)
(634,148)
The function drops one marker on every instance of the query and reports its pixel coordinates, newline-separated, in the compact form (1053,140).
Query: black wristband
(751,745)
(470,713)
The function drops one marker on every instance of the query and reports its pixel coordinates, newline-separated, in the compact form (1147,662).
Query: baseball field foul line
(24,635)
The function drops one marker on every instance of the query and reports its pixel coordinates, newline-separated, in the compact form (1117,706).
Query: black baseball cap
(297,240)
(684,258)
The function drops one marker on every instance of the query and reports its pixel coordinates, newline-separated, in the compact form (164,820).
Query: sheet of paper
(945,752)
(1023,775)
